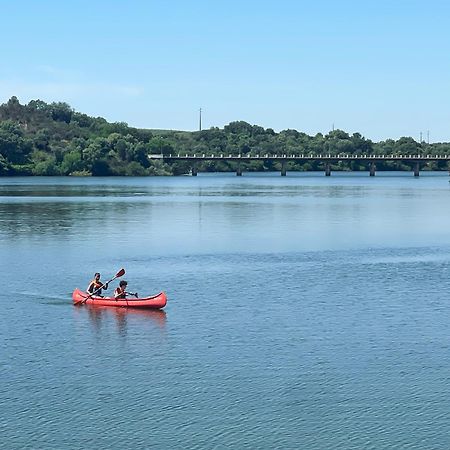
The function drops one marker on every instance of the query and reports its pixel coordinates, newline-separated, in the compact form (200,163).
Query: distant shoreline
(41,139)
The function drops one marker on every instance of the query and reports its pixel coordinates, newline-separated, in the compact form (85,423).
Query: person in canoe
(96,286)
(120,293)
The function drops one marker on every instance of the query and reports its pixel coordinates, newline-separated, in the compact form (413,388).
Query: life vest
(95,286)
(119,295)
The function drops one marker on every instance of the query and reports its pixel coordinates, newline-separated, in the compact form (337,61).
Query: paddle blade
(120,273)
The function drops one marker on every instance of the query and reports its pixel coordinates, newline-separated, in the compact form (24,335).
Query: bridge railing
(302,156)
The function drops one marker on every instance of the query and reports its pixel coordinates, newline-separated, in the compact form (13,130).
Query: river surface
(304,312)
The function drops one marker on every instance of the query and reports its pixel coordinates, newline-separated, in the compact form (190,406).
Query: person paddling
(96,286)
(120,292)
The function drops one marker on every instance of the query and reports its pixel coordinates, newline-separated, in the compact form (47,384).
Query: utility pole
(200,121)
(428,137)
(420,137)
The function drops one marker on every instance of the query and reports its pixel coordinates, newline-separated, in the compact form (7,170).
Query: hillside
(53,139)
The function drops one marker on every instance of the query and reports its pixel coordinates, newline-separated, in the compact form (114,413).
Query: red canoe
(155,302)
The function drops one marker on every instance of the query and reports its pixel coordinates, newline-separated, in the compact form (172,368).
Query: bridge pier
(194,170)
(239,170)
(283,169)
(416,169)
(327,169)
(373,168)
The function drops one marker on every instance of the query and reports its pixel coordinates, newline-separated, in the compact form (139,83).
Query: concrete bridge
(327,160)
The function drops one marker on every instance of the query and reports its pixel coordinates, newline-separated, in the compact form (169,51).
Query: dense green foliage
(53,139)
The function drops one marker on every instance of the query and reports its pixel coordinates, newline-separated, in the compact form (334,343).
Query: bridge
(371,160)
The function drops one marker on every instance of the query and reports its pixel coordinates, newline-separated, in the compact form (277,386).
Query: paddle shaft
(128,293)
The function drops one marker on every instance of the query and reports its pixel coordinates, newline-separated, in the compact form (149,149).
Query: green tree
(134,169)
(61,112)
(72,162)
(14,147)
(160,146)
(4,166)
(407,146)
(44,164)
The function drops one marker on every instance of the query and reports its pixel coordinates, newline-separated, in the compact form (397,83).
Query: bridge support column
(416,169)
(283,169)
(373,168)
(194,170)
(327,169)
(239,170)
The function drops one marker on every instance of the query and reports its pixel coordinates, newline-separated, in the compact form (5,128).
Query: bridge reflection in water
(327,160)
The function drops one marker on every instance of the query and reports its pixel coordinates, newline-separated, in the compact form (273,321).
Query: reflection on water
(207,214)
(100,315)
(155,317)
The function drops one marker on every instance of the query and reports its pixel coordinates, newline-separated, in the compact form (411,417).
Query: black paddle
(120,273)
(128,293)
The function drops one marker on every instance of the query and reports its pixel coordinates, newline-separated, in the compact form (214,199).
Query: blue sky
(381,68)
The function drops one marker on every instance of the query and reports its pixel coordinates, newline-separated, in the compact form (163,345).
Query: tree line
(42,138)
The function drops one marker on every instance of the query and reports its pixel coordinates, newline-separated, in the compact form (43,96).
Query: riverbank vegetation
(42,138)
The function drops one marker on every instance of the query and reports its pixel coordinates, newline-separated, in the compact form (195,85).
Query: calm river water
(304,312)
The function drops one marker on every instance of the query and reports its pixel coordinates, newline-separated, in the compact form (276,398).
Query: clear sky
(381,68)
